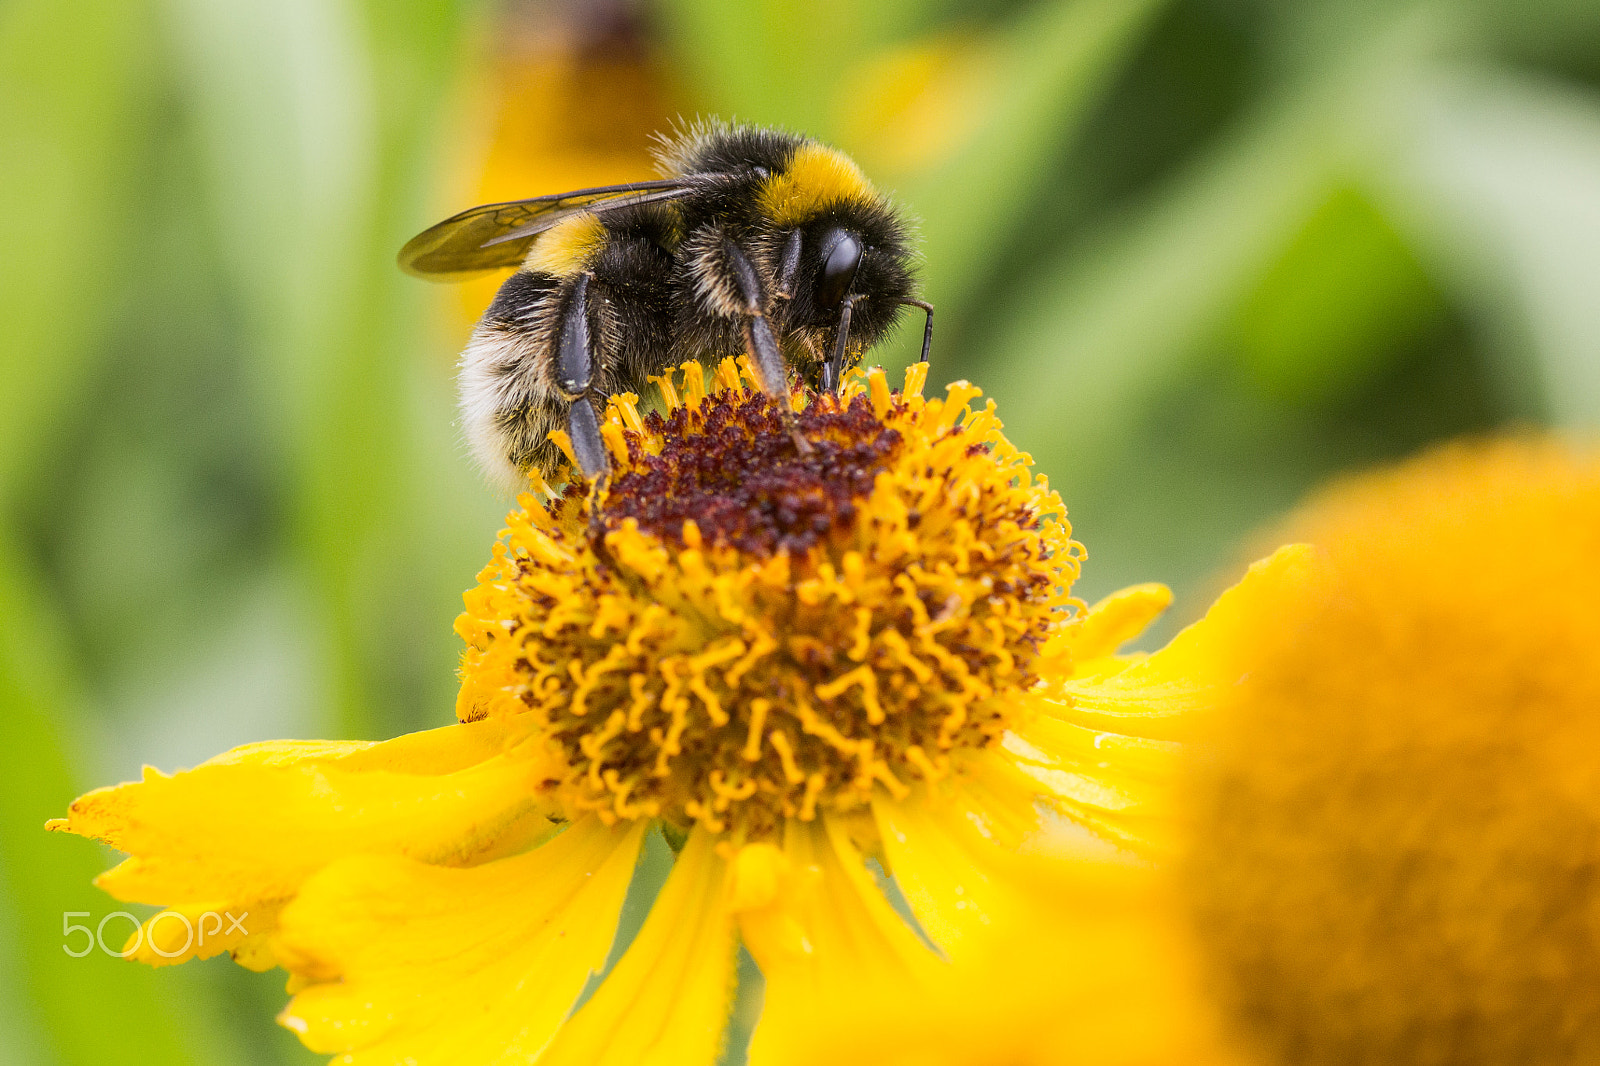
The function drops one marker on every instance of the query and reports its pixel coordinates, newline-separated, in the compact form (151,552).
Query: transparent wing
(492,236)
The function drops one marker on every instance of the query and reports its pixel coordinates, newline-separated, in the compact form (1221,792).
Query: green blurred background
(1205,254)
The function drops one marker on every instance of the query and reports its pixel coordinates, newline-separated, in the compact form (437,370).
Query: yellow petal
(239,834)
(1152,698)
(960,883)
(432,966)
(829,933)
(432,751)
(1101,748)
(1104,977)
(1115,786)
(1090,753)
(249,828)
(1114,621)
(203,930)
(667,1000)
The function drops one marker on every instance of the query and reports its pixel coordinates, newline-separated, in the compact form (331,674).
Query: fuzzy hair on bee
(754,241)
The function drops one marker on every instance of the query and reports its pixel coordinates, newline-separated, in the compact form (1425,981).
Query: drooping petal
(1101,748)
(244,930)
(1110,784)
(1153,696)
(454,967)
(1103,977)
(825,931)
(667,1000)
(243,831)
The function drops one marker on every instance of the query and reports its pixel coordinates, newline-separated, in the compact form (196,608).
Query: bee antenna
(927,331)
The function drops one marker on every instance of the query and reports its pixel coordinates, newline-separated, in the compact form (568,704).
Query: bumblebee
(756,241)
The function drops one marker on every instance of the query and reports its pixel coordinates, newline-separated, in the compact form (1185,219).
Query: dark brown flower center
(740,477)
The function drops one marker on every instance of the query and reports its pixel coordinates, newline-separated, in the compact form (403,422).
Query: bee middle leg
(574,373)
(574,377)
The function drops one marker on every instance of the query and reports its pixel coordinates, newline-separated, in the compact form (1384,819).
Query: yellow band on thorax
(817,178)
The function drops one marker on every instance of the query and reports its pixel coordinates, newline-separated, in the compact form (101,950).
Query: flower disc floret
(750,633)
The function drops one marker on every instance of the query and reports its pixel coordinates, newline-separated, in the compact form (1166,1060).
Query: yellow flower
(1396,849)
(790,664)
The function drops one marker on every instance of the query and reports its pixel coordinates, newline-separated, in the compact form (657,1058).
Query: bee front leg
(772,372)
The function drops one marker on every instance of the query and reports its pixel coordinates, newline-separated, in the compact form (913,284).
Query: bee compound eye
(841,256)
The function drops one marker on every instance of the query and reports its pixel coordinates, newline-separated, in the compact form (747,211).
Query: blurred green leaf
(1336,304)
(283,101)
(1049,67)
(95,1010)
(1113,318)
(316,116)
(1499,176)
(71,92)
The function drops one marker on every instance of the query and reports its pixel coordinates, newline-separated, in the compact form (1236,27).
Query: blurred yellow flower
(789,663)
(1396,849)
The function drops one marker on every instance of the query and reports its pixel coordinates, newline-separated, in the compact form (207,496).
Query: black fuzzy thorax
(722,149)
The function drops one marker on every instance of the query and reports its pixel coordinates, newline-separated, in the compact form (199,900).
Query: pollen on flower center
(737,474)
(764,634)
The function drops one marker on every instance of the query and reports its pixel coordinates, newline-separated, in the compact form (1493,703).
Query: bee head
(855,253)
(833,239)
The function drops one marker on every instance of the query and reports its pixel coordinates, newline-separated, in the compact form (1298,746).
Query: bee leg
(759,343)
(927,330)
(588,447)
(833,369)
(788,266)
(574,374)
